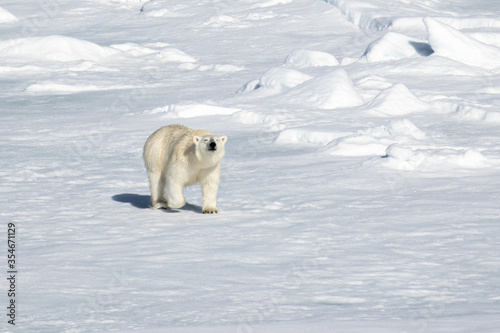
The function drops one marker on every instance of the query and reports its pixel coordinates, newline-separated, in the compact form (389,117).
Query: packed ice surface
(359,190)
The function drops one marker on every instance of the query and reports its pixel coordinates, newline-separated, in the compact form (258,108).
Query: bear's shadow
(143,201)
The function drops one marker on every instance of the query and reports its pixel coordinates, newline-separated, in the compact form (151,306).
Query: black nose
(212,145)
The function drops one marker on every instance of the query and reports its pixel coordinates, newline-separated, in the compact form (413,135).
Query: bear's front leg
(175,197)
(209,181)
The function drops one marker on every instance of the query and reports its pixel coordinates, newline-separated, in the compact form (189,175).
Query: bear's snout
(212,146)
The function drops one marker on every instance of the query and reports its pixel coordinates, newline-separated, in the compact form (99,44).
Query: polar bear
(177,156)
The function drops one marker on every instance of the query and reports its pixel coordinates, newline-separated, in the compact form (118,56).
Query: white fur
(177,156)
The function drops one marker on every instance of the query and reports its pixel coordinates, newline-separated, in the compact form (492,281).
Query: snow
(330,91)
(310,58)
(6,16)
(193,110)
(307,136)
(405,158)
(395,46)
(374,141)
(54,48)
(359,190)
(282,79)
(451,43)
(397,100)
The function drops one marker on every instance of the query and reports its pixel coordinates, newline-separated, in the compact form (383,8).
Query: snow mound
(54,88)
(469,112)
(134,49)
(6,16)
(249,86)
(397,100)
(395,46)
(261,16)
(404,158)
(162,50)
(491,38)
(159,13)
(51,88)
(157,9)
(492,117)
(192,110)
(451,43)
(175,55)
(461,23)
(330,91)
(274,122)
(307,136)
(357,145)
(126,4)
(362,14)
(373,83)
(271,3)
(401,130)
(90,66)
(224,21)
(55,48)
(282,79)
(27,70)
(219,68)
(220,21)
(310,58)
(374,141)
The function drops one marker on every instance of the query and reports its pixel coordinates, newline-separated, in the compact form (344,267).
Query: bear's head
(210,148)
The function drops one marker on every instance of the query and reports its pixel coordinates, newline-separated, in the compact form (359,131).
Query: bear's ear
(196,139)
(223,139)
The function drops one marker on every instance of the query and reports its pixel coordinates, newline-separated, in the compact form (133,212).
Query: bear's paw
(159,205)
(210,210)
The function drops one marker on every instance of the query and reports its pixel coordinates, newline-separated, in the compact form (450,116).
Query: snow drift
(374,141)
(305,135)
(432,160)
(395,46)
(310,58)
(451,43)
(397,100)
(331,91)
(54,48)
(6,16)
(189,110)
(282,79)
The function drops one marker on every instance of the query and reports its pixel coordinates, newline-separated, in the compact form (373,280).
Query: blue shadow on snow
(143,201)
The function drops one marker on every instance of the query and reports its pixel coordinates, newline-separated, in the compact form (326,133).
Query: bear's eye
(206,140)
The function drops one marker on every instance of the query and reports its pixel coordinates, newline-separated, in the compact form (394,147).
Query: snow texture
(395,46)
(54,48)
(451,43)
(359,191)
(6,16)
(310,58)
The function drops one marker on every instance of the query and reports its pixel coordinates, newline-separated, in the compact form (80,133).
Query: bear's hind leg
(157,187)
